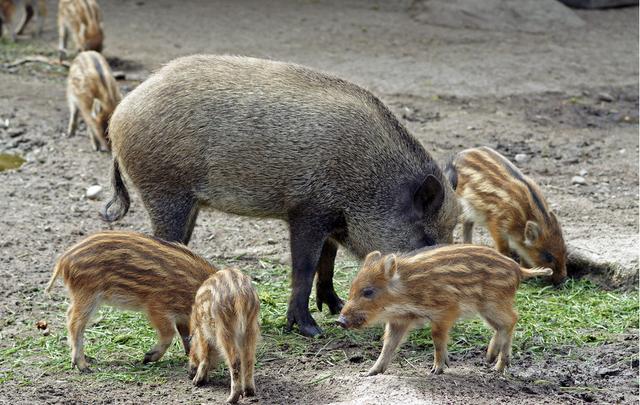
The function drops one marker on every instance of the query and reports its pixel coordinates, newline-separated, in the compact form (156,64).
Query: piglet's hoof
(374,371)
(150,357)
(234,397)
(84,370)
(437,369)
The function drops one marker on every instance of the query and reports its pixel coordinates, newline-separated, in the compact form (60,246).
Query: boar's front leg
(308,234)
(325,293)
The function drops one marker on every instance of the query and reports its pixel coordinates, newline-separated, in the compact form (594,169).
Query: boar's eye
(546,257)
(368,292)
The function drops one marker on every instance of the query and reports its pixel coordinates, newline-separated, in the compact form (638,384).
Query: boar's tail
(120,196)
(535,272)
(54,276)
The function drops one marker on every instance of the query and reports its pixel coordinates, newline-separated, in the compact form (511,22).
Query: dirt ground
(568,99)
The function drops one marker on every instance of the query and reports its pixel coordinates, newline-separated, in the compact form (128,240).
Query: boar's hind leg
(325,293)
(173,216)
(308,234)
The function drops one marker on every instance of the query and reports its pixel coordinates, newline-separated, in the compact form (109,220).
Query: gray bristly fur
(269,139)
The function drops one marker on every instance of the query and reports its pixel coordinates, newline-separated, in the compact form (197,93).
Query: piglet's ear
(372,258)
(430,196)
(531,232)
(390,265)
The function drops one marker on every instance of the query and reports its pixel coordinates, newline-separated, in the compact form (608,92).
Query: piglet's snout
(342,322)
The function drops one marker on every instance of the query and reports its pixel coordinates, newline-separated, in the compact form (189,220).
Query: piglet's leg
(183,330)
(78,316)
(208,355)
(502,245)
(226,341)
(467,231)
(393,335)
(73,117)
(248,359)
(165,328)
(440,334)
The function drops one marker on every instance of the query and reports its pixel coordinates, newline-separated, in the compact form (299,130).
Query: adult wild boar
(270,139)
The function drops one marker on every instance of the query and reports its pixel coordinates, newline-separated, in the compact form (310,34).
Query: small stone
(93,192)
(522,158)
(42,324)
(583,172)
(606,97)
(578,180)
(608,371)
(622,151)
(471,128)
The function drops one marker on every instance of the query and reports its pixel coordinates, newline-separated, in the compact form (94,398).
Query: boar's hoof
(310,330)
(306,324)
(250,392)
(332,300)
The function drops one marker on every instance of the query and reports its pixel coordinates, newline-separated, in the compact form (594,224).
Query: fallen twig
(36,59)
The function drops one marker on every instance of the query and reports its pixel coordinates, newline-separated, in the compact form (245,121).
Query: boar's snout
(342,322)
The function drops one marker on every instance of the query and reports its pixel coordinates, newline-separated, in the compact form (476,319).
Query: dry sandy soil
(567,98)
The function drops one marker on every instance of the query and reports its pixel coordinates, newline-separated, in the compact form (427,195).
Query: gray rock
(583,172)
(605,97)
(93,192)
(578,180)
(522,158)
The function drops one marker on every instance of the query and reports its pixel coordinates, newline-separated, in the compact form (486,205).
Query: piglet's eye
(546,257)
(368,292)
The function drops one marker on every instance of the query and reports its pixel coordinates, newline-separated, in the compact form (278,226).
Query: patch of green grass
(11,52)
(577,314)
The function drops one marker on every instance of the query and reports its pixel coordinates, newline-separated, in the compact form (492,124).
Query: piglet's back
(469,270)
(131,269)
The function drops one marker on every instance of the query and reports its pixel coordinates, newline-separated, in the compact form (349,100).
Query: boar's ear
(96,108)
(531,232)
(390,265)
(371,258)
(430,196)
